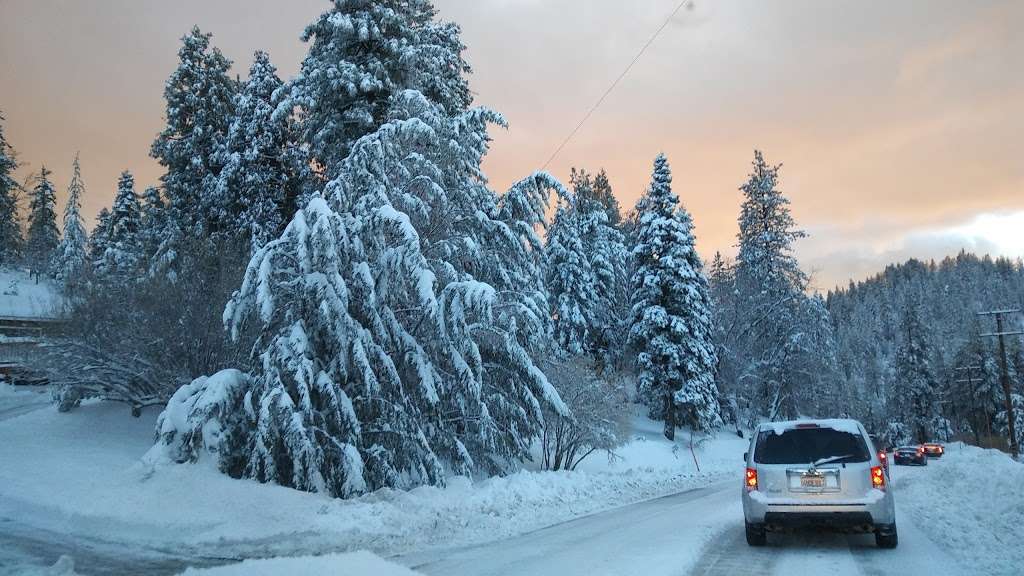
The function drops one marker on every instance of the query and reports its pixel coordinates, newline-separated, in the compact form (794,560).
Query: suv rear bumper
(757,509)
(861,520)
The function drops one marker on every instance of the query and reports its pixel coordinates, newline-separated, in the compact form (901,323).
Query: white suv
(816,473)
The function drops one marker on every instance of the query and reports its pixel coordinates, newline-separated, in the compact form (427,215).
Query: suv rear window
(807,445)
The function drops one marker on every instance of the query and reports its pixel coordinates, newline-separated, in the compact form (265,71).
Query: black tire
(756,534)
(886,536)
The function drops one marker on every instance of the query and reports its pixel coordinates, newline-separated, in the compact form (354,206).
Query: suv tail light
(877,477)
(751,482)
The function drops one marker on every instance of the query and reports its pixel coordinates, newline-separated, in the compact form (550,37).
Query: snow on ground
(351,564)
(971,501)
(80,473)
(23,297)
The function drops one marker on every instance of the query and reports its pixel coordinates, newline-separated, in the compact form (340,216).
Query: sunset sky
(899,124)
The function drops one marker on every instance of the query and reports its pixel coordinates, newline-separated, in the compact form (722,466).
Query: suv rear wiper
(830,460)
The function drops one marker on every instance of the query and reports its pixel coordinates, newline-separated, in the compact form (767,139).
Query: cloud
(848,256)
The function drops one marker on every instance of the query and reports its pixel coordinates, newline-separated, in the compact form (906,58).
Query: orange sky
(898,124)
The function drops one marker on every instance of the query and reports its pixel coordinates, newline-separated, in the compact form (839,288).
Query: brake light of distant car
(877,478)
(920,449)
(751,479)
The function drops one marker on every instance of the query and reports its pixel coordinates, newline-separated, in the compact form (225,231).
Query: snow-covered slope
(81,473)
(23,297)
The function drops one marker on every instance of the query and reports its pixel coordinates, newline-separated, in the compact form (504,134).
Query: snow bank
(352,564)
(971,501)
(81,473)
(23,297)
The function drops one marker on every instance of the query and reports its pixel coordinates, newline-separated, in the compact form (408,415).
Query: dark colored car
(934,450)
(910,455)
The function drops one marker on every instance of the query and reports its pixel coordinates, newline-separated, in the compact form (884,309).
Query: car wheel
(756,534)
(886,536)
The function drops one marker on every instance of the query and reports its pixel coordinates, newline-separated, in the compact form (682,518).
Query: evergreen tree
(570,281)
(199,98)
(603,194)
(122,255)
(258,186)
(671,313)
(386,356)
(10,229)
(778,352)
(362,52)
(99,239)
(605,250)
(914,381)
(71,259)
(43,236)
(154,223)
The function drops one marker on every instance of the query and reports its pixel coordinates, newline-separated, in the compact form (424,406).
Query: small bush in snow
(598,421)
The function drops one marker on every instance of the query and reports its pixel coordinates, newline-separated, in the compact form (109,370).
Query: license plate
(812,481)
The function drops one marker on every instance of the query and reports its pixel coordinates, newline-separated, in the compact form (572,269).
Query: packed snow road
(698,532)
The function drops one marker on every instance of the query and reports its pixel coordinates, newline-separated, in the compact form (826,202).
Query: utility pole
(970,380)
(1005,373)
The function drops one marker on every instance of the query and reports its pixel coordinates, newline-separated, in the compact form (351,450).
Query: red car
(934,449)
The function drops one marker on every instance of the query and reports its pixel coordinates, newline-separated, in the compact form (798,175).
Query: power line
(615,83)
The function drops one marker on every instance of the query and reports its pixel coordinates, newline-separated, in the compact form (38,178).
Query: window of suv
(807,445)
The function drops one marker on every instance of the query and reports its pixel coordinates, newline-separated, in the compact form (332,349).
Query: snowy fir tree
(671,316)
(71,259)
(915,386)
(361,53)
(776,339)
(605,250)
(10,228)
(122,255)
(199,98)
(42,237)
(258,187)
(570,280)
(153,223)
(98,240)
(385,354)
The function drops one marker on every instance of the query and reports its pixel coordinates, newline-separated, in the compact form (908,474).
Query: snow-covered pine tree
(914,385)
(42,237)
(383,359)
(774,344)
(603,193)
(122,255)
(605,250)
(10,228)
(153,223)
(199,98)
(671,316)
(361,53)
(570,280)
(258,186)
(99,239)
(71,258)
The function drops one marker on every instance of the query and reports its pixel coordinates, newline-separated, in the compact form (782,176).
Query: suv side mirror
(745,454)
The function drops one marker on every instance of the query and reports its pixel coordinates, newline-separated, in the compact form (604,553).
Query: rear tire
(756,534)
(886,536)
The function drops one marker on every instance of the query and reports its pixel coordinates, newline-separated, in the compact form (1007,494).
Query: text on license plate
(812,481)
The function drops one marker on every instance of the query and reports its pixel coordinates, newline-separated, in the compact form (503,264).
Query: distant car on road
(819,473)
(906,455)
(934,449)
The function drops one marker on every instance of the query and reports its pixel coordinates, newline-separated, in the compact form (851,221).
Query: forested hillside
(927,313)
